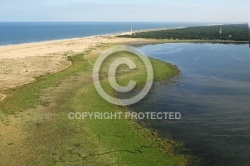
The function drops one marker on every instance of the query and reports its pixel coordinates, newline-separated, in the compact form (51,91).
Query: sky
(124,10)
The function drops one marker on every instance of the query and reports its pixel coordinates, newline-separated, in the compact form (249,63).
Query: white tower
(131,30)
(221,30)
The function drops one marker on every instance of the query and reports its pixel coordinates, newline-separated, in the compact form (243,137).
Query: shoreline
(60,40)
(115,34)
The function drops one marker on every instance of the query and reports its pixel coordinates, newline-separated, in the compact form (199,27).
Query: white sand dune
(19,64)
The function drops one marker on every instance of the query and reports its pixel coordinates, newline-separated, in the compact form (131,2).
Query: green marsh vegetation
(38,113)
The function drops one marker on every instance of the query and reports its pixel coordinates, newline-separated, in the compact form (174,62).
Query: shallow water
(213,95)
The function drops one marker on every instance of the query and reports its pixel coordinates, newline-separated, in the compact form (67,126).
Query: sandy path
(2,97)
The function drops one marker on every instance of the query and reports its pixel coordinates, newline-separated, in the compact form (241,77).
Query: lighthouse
(131,31)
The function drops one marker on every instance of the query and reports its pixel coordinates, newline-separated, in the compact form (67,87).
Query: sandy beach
(20,64)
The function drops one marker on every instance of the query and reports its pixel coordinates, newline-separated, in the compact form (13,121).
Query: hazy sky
(125,11)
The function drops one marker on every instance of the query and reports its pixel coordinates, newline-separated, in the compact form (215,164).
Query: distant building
(131,31)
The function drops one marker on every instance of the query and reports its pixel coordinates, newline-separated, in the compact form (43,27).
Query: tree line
(235,32)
